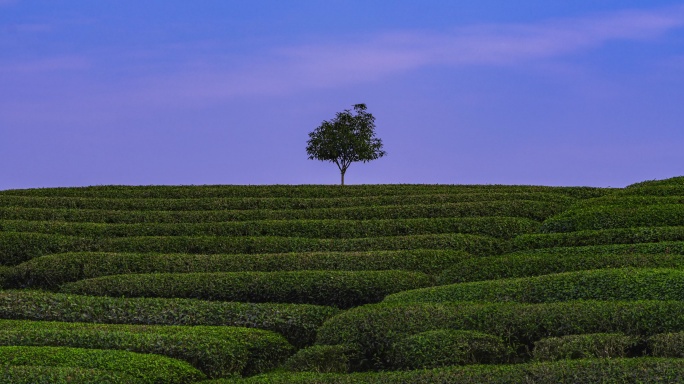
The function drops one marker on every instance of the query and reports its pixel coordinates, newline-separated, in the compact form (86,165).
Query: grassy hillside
(328,284)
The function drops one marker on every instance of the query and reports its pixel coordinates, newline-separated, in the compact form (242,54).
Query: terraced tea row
(296,322)
(503,227)
(16,248)
(277,203)
(142,368)
(342,289)
(626,371)
(297,191)
(535,210)
(216,351)
(53,270)
(601,284)
(376,328)
(547,261)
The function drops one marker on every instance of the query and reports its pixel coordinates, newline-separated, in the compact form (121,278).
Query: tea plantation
(354,284)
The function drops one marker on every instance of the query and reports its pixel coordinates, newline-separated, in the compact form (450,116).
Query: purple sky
(583,92)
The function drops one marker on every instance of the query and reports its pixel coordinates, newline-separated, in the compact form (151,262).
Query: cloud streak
(335,64)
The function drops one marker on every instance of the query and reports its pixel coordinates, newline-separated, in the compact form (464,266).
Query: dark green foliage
(241,203)
(147,368)
(535,210)
(6,276)
(53,270)
(672,182)
(343,289)
(296,322)
(535,264)
(376,327)
(663,247)
(346,139)
(444,347)
(601,284)
(503,227)
(297,191)
(615,216)
(323,359)
(667,345)
(592,345)
(216,351)
(16,248)
(31,374)
(623,371)
(599,237)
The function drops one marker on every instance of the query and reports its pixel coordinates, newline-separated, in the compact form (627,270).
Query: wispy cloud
(333,64)
(336,63)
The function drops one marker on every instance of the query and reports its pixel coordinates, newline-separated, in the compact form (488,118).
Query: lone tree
(346,139)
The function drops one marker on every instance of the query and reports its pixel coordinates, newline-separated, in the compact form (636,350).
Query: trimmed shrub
(624,371)
(667,345)
(216,351)
(296,322)
(536,264)
(615,216)
(376,327)
(240,203)
(32,374)
(16,248)
(593,345)
(503,227)
(53,270)
(323,359)
(600,284)
(663,247)
(444,347)
(147,368)
(343,289)
(600,237)
(535,210)
(300,191)
(672,181)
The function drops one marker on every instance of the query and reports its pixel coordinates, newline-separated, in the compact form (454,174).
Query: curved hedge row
(535,210)
(627,201)
(32,374)
(599,237)
(600,284)
(503,227)
(242,203)
(343,289)
(609,217)
(667,345)
(592,345)
(222,191)
(624,371)
(535,264)
(444,347)
(17,247)
(376,327)
(661,247)
(653,190)
(216,351)
(53,270)
(146,368)
(323,359)
(671,181)
(296,322)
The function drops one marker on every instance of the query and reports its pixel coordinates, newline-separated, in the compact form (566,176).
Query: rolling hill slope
(376,283)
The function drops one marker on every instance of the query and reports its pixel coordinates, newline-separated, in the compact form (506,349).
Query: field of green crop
(353,284)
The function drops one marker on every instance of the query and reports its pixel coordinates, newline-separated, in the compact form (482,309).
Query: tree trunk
(342,174)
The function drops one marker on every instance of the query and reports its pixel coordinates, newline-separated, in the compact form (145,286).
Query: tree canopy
(345,139)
